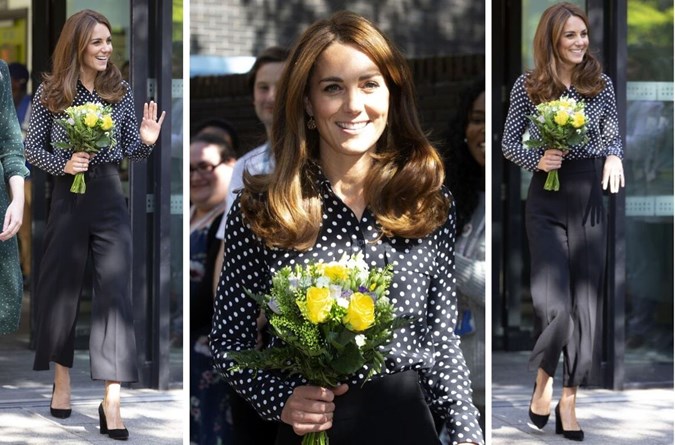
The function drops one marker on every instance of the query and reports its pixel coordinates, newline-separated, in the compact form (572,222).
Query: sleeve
(132,147)
(447,384)
(609,122)
(11,140)
(38,140)
(515,126)
(234,320)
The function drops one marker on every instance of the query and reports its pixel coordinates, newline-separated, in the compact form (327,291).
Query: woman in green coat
(13,170)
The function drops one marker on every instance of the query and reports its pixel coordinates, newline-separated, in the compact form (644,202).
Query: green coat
(12,163)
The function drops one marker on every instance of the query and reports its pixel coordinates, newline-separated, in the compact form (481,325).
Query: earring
(311,123)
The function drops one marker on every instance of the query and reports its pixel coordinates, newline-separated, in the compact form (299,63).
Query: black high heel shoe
(59,413)
(538,419)
(118,434)
(577,435)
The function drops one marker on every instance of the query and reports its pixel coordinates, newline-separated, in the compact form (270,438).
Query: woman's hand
(552,160)
(612,174)
(150,126)
(310,408)
(14,214)
(78,163)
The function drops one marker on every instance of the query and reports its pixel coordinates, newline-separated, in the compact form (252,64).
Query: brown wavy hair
(544,83)
(60,87)
(403,186)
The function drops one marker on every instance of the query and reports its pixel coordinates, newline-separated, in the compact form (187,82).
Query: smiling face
(349,100)
(98,51)
(573,43)
(475,130)
(209,176)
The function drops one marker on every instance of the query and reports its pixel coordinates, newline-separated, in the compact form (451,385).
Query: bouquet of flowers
(562,124)
(89,128)
(331,318)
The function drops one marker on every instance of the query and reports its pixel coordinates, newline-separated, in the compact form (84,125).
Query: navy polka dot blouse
(43,131)
(423,286)
(603,126)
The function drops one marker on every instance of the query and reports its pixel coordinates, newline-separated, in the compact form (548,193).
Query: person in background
(464,156)
(566,229)
(353,172)
(95,223)
(219,127)
(22,104)
(262,81)
(11,206)
(211,162)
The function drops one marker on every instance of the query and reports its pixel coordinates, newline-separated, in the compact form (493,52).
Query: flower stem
(552,182)
(315,438)
(78,184)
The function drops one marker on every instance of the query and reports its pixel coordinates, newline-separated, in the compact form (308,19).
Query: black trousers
(95,224)
(390,410)
(566,231)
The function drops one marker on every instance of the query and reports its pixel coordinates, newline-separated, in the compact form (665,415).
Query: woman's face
(475,130)
(349,101)
(98,51)
(209,177)
(573,42)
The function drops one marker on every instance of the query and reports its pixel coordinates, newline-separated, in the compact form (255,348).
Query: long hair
(465,177)
(403,186)
(544,82)
(60,87)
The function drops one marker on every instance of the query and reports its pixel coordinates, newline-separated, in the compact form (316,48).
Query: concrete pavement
(152,417)
(607,417)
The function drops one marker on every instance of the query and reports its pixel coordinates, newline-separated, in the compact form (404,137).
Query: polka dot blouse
(43,131)
(603,126)
(422,286)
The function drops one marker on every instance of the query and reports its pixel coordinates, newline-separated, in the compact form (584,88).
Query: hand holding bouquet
(89,128)
(562,124)
(331,318)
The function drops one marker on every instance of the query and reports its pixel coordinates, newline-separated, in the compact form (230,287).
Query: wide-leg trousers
(94,224)
(566,232)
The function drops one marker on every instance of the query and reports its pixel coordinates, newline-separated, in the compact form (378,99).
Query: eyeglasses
(203,168)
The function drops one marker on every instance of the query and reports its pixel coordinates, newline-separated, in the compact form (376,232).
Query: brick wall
(421,28)
(438,81)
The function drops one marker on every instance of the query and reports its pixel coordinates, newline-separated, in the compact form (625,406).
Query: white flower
(335,291)
(322,282)
(342,302)
(360,340)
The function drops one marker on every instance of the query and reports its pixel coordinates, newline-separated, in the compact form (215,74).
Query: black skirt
(389,410)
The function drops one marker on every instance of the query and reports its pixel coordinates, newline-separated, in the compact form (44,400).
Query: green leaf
(349,360)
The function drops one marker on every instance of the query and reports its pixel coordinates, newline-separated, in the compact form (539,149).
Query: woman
(11,206)
(566,229)
(353,173)
(96,222)
(211,162)
(465,164)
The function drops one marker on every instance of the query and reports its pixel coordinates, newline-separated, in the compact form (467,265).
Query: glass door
(649,193)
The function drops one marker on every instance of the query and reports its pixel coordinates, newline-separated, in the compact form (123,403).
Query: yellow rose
(360,313)
(107,123)
(336,272)
(578,119)
(319,303)
(90,120)
(561,117)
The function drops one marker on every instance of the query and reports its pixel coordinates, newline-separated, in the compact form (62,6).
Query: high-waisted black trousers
(390,410)
(94,224)
(566,231)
